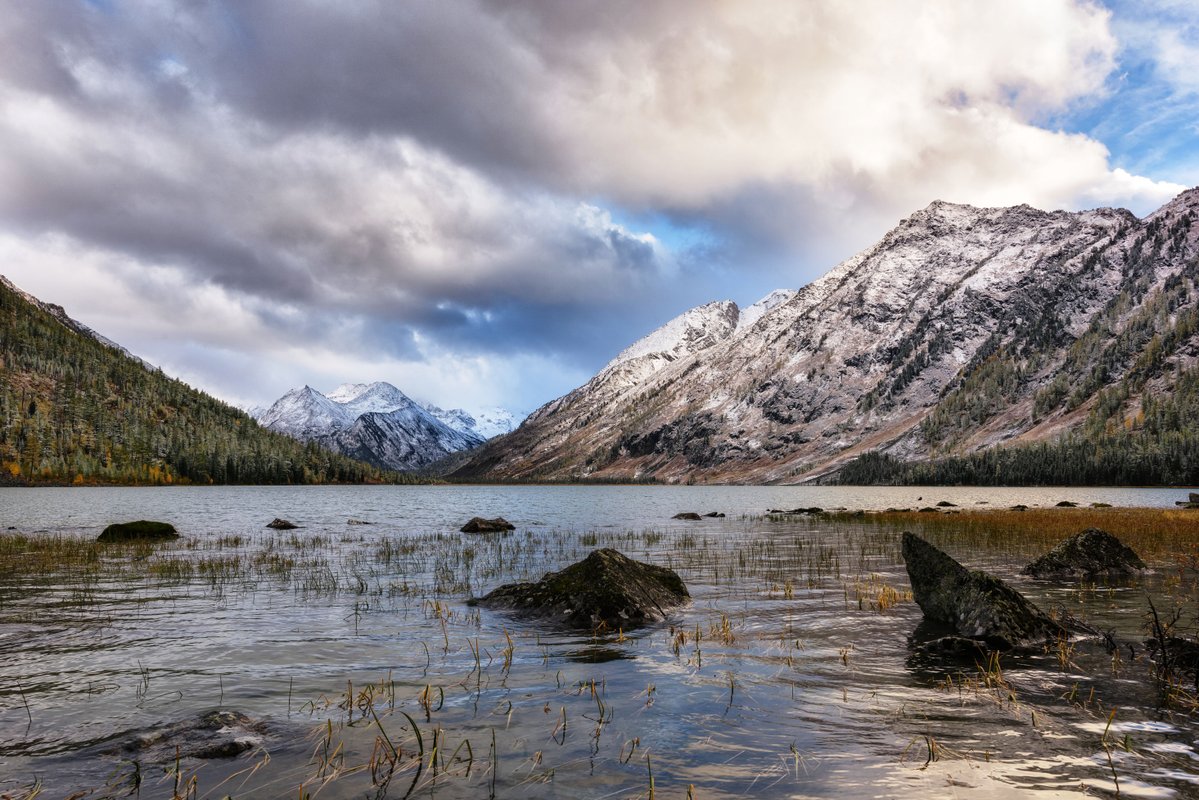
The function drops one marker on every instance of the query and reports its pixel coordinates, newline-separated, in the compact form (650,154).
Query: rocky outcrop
(480,525)
(976,605)
(282,524)
(607,590)
(1088,555)
(143,530)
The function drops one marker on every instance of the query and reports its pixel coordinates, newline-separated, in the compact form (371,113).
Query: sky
(483,202)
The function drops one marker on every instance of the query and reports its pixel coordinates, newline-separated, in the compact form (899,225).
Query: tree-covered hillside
(74,410)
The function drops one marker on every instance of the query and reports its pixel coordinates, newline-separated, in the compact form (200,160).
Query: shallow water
(783,678)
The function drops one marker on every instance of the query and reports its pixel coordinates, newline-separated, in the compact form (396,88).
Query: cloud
(431,187)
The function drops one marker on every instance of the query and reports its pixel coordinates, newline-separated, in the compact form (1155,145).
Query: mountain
(487,424)
(77,408)
(963,332)
(373,422)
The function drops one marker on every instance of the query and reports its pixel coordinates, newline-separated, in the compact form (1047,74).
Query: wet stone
(606,590)
(282,524)
(687,515)
(1093,553)
(143,530)
(481,525)
(974,604)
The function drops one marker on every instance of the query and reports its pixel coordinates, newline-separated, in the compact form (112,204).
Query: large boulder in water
(1090,554)
(607,589)
(282,524)
(143,530)
(480,525)
(976,605)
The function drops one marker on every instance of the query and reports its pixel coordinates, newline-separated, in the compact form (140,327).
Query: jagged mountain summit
(377,423)
(962,329)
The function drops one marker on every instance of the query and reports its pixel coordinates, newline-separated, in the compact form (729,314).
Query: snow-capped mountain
(962,328)
(487,424)
(374,422)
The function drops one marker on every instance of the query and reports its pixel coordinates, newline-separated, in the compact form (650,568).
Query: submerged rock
(946,504)
(1090,554)
(282,524)
(715,514)
(1066,504)
(142,530)
(481,525)
(976,605)
(216,734)
(607,589)
(688,515)
(358,522)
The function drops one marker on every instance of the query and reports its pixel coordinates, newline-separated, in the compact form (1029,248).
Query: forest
(76,411)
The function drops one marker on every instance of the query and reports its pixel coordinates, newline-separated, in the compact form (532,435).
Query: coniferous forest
(74,410)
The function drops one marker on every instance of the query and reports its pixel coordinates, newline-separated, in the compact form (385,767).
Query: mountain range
(1005,344)
(379,424)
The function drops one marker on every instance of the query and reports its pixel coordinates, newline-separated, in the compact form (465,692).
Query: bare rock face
(480,525)
(977,605)
(1090,554)
(605,590)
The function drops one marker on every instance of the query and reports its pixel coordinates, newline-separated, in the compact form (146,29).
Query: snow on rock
(689,332)
(767,304)
(306,414)
(373,422)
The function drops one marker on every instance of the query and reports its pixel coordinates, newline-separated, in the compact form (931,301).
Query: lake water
(793,673)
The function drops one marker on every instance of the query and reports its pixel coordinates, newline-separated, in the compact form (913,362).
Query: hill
(76,408)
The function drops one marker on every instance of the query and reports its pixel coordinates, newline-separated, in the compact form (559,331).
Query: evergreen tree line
(73,410)
(1158,445)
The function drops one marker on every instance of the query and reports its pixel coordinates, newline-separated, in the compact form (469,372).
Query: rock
(928,510)
(688,515)
(480,525)
(143,530)
(1066,504)
(281,524)
(714,514)
(358,522)
(216,734)
(976,605)
(607,589)
(1019,507)
(946,504)
(1101,505)
(1090,554)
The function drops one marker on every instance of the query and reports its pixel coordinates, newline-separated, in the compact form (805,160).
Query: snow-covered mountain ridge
(379,424)
(958,330)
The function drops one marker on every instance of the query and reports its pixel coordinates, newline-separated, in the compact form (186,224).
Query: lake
(361,671)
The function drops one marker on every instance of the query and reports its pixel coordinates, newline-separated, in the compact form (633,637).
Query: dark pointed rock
(605,590)
(976,605)
(715,514)
(481,525)
(1066,504)
(143,530)
(281,524)
(1090,554)
(946,504)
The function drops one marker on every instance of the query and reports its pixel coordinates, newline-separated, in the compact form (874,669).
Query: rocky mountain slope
(376,423)
(962,329)
(77,408)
